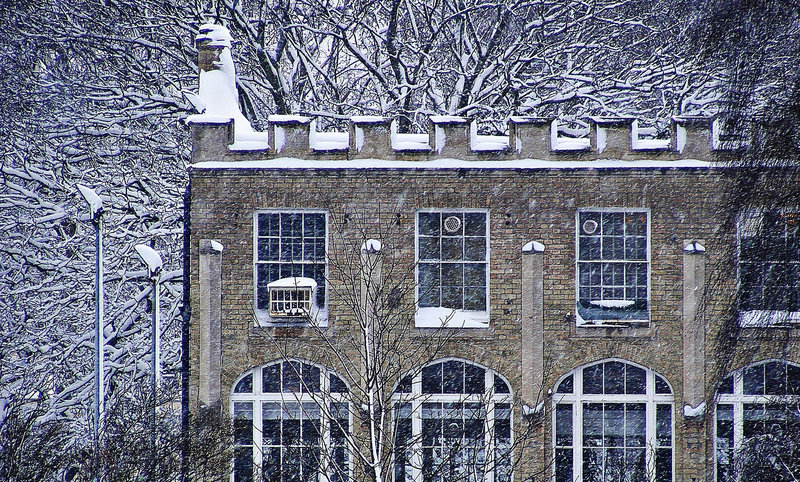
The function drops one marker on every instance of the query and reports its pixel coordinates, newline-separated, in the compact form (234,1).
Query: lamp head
(151,258)
(93,200)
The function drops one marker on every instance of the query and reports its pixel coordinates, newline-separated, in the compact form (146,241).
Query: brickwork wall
(523,205)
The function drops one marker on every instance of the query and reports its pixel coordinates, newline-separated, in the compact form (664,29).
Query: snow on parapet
(217,92)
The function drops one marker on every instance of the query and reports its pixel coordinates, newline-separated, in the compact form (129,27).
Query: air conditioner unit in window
(291,297)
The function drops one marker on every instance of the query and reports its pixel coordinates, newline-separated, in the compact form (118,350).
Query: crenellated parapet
(453,137)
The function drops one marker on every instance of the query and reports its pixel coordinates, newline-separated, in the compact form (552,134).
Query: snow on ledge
(450,318)
(216,246)
(293,282)
(372,246)
(289,119)
(612,303)
(694,412)
(533,247)
(368,119)
(694,247)
(447,119)
(208,119)
(295,163)
(768,318)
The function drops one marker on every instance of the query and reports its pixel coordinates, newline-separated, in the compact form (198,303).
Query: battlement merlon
(451,137)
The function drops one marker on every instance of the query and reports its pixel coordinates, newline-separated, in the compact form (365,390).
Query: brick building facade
(589,277)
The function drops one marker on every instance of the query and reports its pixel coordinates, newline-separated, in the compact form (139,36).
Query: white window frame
(319,314)
(577,399)
(579,320)
(321,399)
(738,399)
(489,399)
(438,317)
(759,317)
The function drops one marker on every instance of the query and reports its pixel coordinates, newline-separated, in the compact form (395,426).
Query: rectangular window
(452,269)
(769,267)
(290,244)
(613,255)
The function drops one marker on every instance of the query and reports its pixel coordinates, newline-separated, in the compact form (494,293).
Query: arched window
(291,419)
(613,421)
(452,422)
(757,423)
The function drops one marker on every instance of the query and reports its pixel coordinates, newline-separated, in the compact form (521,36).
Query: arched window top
(455,376)
(764,378)
(289,376)
(612,377)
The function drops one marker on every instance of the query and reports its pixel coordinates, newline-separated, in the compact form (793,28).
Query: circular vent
(590,226)
(452,224)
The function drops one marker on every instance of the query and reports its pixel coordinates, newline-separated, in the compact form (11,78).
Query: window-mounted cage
(291,297)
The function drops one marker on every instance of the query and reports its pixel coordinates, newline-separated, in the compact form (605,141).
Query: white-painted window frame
(451,318)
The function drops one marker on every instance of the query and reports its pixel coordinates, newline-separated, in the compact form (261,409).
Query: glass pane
(429,224)
(428,248)
(566,385)
(614,377)
(291,377)
(453,377)
(452,248)
(775,378)
(404,386)
(243,464)
(243,423)
(268,224)
(475,249)
(475,379)
(635,427)
(337,385)
(753,379)
(613,425)
(245,385)
(593,379)
(500,386)
(432,378)
(664,425)
(271,378)
(564,425)
(663,465)
(662,386)
(564,465)
(311,379)
(593,425)
(475,224)
(635,381)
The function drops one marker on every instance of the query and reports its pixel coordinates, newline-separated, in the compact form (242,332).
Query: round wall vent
(590,226)
(452,224)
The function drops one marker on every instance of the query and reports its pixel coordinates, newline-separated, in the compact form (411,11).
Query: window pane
(310,378)
(475,379)
(664,425)
(566,385)
(662,386)
(245,385)
(475,249)
(432,378)
(564,465)
(774,378)
(453,377)
(663,465)
(428,248)
(592,425)
(753,379)
(271,378)
(564,424)
(268,224)
(337,385)
(613,425)
(291,377)
(452,248)
(475,224)
(593,379)
(500,386)
(614,378)
(635,380)
(429,224)
(635,427)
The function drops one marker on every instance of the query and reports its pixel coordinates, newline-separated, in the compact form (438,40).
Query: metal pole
(99,342)
(156,375)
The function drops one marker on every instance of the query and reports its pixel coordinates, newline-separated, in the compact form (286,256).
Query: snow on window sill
(450,318)
(318,317)
(768,318)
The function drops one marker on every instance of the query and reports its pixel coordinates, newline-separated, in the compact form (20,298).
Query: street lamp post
(96,215)
(154,263)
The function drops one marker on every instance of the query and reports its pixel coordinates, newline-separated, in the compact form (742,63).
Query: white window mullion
(416,427)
